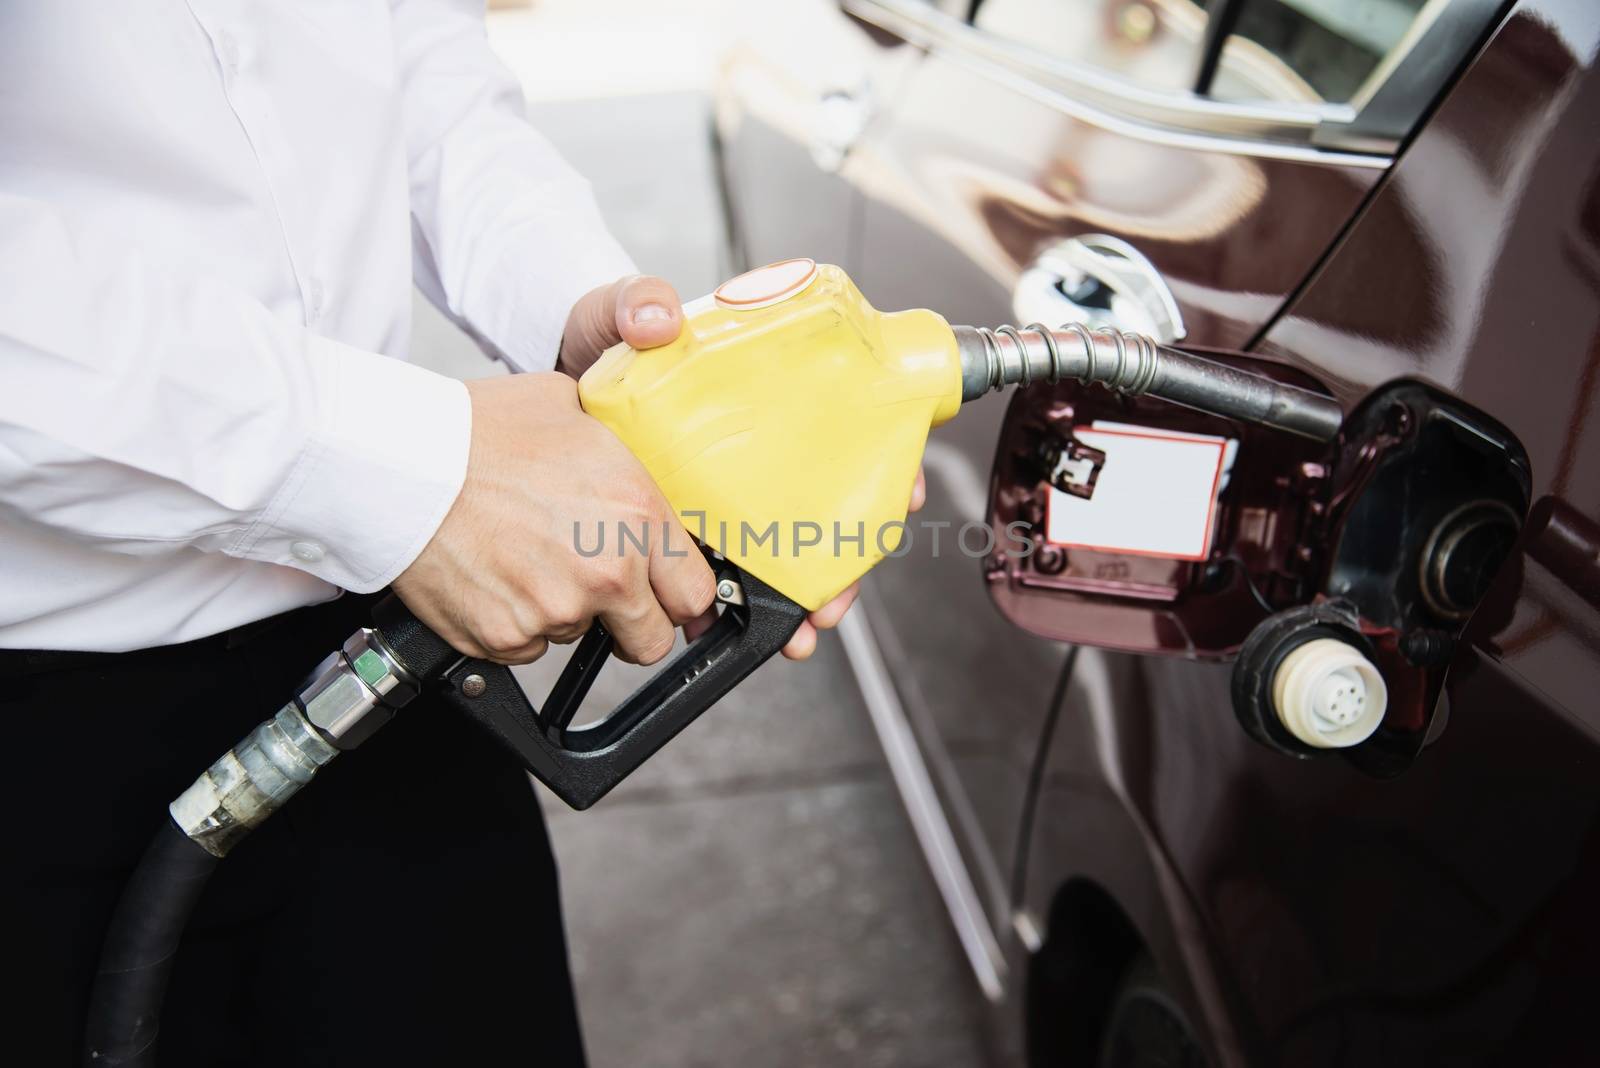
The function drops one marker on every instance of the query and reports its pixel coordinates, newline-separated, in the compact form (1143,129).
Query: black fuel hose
(141,945)
(353,692)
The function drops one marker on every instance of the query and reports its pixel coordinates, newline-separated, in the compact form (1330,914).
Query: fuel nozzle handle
(1136,365)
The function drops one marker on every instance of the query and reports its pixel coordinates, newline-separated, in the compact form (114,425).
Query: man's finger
(525,655)
(642,631)
(802,644)
(680,576)
(696,627)
(648,312)
(827,617)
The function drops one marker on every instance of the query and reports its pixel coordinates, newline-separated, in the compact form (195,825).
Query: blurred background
(754,895)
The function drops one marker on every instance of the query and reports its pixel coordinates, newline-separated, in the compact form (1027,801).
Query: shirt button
(308,552)
(229,50)
(314,300)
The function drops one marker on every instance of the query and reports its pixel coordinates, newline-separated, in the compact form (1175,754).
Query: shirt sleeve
(508,235)
(143,411)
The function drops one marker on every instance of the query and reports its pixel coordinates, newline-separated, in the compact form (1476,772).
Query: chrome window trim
(1172,138)
(1364,134)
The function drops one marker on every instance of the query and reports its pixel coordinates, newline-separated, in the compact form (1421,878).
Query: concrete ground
(753,895)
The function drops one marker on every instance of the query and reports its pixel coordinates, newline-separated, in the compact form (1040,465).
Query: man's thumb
(648,312)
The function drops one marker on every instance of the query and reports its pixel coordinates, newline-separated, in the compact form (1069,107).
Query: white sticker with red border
(1156,495)
(766,286)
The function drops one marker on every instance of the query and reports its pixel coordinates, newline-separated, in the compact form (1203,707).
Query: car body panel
(1443,916)
(966,180)
(974,179)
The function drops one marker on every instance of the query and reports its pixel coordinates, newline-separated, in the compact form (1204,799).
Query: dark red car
(1394,201)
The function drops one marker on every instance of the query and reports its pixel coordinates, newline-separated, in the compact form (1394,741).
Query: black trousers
(402,910)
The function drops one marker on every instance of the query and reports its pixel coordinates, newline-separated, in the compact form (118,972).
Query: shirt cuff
(524,303)
(385,462)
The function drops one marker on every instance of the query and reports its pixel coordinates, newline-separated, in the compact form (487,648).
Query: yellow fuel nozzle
(786,422)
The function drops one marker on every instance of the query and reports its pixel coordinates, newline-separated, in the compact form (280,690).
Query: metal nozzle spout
(1136,365)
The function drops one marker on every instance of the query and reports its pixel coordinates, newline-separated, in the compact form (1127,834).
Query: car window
(1313,51)
(1263,76)
(1151,43)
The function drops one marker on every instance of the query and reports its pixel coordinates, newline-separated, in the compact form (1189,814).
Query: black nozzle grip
(419,650)
(582,765)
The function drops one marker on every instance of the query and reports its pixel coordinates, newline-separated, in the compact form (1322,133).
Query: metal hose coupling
(1137,366)
(345,700)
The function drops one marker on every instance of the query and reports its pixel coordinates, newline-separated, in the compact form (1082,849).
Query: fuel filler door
(1337,576)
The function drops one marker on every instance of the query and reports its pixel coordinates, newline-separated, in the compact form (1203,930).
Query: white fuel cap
(767,285)
(1328,694)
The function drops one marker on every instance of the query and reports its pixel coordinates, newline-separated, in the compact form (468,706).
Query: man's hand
(502,575)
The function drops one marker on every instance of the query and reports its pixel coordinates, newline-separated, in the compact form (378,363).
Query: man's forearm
(143,411)
(510,234)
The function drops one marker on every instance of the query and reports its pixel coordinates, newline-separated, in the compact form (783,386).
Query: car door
(799,85)
(1430,908)
(1142,164)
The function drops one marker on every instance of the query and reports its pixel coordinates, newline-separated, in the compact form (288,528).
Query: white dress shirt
(211,214)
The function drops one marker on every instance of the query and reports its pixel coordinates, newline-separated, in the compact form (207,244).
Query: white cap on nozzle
(1328,694)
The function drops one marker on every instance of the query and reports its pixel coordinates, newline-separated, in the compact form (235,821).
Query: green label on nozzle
(370,666)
